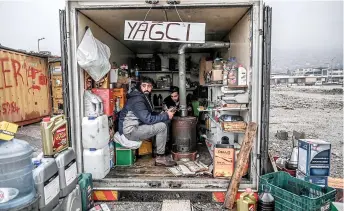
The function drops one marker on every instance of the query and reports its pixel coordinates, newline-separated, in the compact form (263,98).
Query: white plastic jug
(96,162)
(95,132)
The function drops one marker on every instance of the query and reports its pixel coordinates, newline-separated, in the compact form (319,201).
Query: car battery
(314,157)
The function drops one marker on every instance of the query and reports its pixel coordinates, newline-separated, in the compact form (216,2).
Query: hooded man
(138,121)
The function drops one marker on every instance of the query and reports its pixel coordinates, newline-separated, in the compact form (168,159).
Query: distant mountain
(283,60)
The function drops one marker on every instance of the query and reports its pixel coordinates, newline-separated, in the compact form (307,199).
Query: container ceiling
(218,21)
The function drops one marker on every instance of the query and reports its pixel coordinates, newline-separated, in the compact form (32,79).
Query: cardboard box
(108,101)
(205,67)
(216,75)
(103,83)
(57,92)
(317,180)
(58,106)
(7,130)
(146,148)
(88,81)
(314,157)
(121,94)
(56,80)
(223,161)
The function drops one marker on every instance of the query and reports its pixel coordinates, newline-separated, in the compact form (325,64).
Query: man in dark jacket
(137,121)
(172,100)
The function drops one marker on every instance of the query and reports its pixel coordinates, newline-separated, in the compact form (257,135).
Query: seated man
(137,121)
(171,101)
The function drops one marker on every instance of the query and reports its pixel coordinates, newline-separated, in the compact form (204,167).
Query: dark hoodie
(138,110)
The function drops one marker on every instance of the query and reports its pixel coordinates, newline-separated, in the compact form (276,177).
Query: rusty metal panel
(24,87)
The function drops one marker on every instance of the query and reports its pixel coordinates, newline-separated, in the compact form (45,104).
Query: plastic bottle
(118,108)
(137,69)
(54,135)
(266,201)
(247,201)
(226,69)
(160,100)
(155,100)
(233,72)
(242,76)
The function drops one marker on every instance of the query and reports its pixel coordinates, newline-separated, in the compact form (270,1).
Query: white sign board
(164,31)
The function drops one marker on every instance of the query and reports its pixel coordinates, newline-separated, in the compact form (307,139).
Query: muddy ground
(315,110)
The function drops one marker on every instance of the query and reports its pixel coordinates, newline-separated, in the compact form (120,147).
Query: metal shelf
(188,89)
(223,109)
(162,72)
(221,85)
(219,126)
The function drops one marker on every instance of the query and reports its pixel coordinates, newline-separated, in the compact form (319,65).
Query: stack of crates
(314,161)
(124,156)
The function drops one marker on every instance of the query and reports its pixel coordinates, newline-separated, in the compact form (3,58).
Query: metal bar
(162,189)
(181,67)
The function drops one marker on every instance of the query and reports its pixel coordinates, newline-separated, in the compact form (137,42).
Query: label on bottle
(252,207)
(60,141)
(70,172)
(51,188)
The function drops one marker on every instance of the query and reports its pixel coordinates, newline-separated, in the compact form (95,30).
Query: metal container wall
(24,87)
(184,134)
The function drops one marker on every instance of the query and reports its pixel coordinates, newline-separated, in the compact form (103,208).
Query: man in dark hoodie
(138,121)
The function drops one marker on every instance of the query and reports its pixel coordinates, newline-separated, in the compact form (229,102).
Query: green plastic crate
(292,194)
(125,157)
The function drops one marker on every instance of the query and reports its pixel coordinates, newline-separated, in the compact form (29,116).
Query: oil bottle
(266,201)
(54,135)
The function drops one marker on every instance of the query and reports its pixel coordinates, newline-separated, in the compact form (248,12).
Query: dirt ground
(315,110)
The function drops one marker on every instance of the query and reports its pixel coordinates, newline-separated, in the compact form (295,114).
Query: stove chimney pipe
(181,67)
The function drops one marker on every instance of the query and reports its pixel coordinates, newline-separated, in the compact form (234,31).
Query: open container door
(64,66)
(266,69)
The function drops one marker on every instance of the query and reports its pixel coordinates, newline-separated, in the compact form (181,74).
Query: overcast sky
(296,24)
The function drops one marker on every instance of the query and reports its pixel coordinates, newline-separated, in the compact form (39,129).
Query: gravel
(317,111)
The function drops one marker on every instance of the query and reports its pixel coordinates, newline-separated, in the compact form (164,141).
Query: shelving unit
(163,72)
(215,132)
(166,90)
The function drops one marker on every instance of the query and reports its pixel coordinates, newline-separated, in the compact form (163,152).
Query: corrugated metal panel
(24,87)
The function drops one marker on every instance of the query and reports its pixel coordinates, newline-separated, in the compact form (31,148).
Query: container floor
(144,166)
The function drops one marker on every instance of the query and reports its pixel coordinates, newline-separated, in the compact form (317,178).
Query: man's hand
(171,113)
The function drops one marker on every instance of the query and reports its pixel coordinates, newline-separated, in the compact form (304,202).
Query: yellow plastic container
(247,201)
(54,135)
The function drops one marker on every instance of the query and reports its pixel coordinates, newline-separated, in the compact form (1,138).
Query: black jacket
(142,108)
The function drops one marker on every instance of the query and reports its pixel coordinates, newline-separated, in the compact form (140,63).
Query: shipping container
(244,24)
(24,86)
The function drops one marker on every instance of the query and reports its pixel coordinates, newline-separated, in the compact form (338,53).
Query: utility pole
(38,42)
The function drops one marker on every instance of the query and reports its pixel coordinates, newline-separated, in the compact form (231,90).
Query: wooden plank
(273,163)
(242,160)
